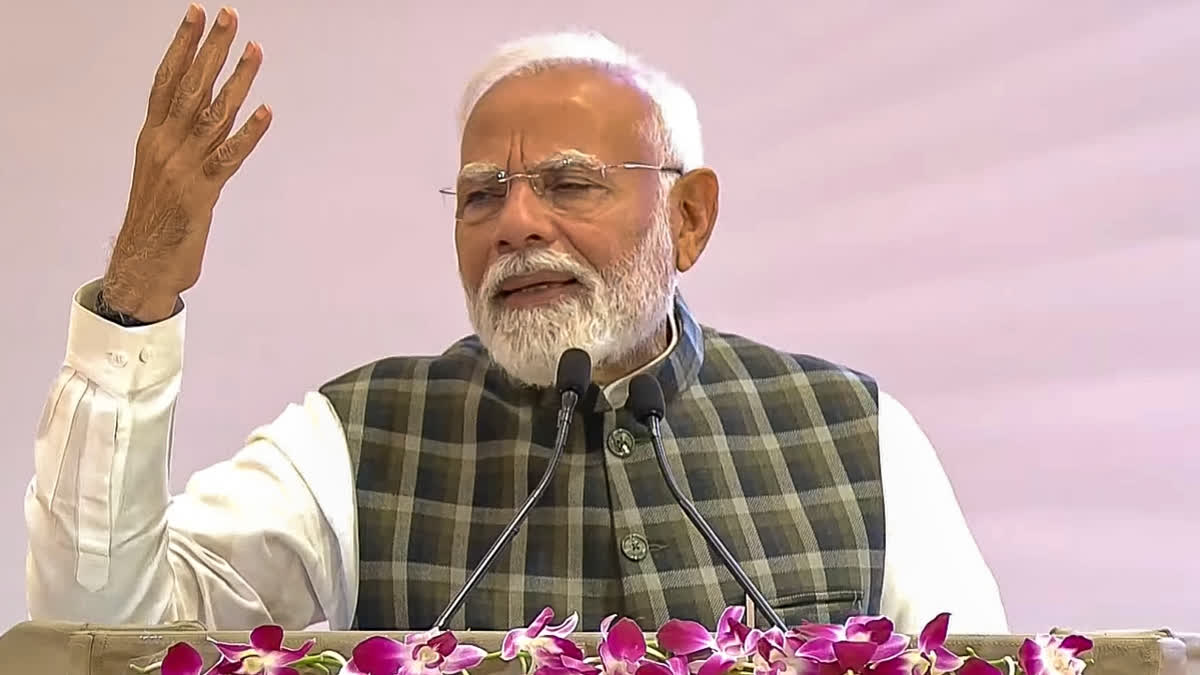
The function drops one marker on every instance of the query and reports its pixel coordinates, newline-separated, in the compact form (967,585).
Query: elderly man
(581,199)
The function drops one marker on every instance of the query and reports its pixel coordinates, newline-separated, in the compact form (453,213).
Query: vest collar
(675,368)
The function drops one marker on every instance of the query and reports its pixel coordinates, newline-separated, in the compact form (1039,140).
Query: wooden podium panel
(89,649)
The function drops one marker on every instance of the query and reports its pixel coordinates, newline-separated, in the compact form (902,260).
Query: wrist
(132,310)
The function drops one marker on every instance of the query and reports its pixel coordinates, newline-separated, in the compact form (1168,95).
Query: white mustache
(530,261)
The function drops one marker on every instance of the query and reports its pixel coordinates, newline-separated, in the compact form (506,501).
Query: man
(581,198)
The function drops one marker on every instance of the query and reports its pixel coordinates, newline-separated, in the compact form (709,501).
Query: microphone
(573,378)
(646,403)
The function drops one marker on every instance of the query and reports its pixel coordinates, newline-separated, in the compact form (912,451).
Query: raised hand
(184,156)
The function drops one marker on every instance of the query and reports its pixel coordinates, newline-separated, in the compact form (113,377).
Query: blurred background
(991,206)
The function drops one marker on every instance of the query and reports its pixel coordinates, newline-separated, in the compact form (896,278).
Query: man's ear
(694,214)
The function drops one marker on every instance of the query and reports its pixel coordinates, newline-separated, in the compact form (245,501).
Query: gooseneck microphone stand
(647,405)
(574,377)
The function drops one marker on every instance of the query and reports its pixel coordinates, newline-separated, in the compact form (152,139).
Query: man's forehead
(527,120)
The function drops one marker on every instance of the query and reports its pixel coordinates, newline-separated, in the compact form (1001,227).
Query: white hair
(675,126)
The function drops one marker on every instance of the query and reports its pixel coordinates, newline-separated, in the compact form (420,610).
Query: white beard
(614,313)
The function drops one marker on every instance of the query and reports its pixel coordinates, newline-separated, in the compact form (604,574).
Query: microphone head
(645,398)
(574,372)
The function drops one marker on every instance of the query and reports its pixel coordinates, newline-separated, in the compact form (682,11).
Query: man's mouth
(536,283)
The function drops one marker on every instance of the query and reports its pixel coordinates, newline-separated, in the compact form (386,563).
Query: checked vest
(780,453)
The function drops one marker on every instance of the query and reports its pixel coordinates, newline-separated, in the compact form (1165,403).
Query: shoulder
(464,360)
(732,356)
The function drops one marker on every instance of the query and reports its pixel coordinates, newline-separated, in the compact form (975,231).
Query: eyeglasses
(568,186)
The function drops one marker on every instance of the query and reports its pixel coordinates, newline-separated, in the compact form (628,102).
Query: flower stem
(653,650)
(157,665)
(325,661)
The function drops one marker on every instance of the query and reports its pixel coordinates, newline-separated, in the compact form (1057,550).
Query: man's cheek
(471,268)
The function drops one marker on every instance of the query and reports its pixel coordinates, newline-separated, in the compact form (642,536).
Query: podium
(90,649)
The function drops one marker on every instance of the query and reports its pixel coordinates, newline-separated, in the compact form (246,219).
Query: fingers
(223,162)
(174,64)
(195,87)
(214,122)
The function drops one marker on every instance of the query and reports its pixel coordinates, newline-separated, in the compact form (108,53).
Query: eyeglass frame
(504,177)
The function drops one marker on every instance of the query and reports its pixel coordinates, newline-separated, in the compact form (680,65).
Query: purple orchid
(779,654)
(850,657)
(548,647)
(182,659)
(932,645)
(676,665)
(265,655)
(563,658)
(428,653)
(863,645)
(976,666)
(1053,655)
(565,664)
(776,654)
(734,640)
(543,642)
(623,651)
(861,636)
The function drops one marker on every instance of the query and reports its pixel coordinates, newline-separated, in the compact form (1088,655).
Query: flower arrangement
(863,645)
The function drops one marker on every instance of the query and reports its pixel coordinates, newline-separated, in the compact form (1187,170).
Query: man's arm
(931,561)
(246,543)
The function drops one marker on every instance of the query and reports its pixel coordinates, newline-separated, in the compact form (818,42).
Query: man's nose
(523,220)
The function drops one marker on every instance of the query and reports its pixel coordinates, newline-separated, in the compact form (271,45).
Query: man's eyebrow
(574,156)
(478,170)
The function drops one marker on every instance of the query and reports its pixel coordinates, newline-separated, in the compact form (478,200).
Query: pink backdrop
(991,206)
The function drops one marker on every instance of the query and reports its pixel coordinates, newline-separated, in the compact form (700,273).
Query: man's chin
(524,369)
(527,341)
(527,344)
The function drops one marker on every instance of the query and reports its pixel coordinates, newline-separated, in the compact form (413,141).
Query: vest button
(634,547)
(620,443)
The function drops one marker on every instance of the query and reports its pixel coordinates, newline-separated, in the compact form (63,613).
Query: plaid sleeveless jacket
(779,452)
